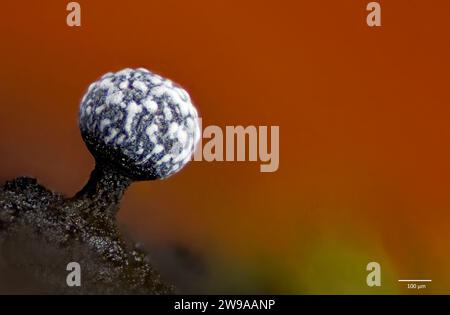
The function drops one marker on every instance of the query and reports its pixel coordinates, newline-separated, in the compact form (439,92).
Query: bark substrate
(42,231)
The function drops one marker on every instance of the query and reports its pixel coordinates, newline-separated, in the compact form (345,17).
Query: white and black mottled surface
(142,123)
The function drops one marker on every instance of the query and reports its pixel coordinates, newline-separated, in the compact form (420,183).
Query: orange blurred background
(363,115)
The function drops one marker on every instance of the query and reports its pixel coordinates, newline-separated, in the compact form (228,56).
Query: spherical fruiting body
(140,123)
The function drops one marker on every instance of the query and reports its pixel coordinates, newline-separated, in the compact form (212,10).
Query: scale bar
(414,280)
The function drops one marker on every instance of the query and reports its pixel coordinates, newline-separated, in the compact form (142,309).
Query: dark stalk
(103,191)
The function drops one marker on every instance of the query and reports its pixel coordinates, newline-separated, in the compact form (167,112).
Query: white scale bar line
(414,280)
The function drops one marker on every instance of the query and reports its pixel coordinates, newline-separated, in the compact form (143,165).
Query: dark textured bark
(41,232)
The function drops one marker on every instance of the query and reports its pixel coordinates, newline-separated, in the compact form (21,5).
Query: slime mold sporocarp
(138,126)
(143,124)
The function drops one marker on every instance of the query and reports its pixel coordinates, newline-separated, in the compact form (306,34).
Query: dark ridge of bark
(42,231)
